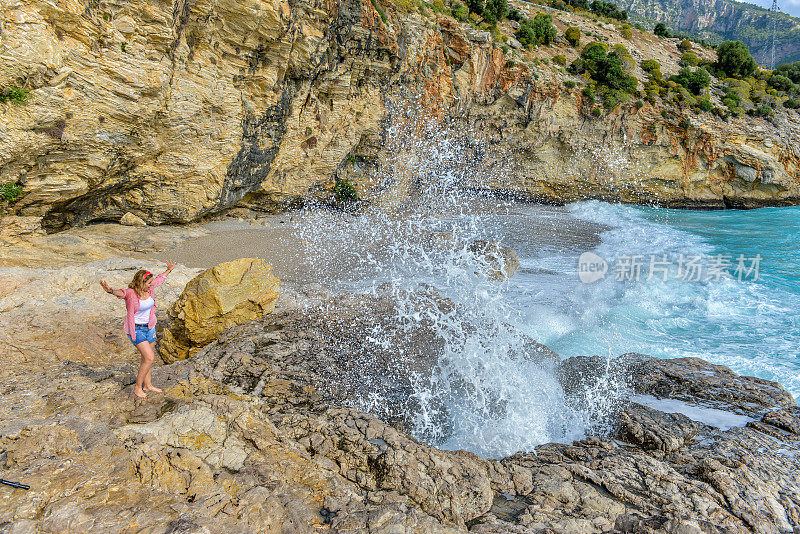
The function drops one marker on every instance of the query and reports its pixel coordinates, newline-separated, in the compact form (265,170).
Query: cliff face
(173,111)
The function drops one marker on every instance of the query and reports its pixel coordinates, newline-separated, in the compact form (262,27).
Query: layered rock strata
(173,111)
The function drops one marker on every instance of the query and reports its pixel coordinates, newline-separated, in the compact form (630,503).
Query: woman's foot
(154,389)
(139,393)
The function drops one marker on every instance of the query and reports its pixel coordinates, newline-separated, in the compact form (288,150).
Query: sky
(791,7)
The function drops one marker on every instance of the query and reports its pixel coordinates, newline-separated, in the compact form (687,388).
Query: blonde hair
(139,279)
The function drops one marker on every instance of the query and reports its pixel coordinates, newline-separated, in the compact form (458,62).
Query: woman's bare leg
(148,379)
(148,357)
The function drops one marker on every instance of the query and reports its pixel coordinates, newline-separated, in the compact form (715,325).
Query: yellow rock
(228,294)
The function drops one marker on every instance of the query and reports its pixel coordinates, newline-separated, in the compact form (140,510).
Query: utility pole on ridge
(774,10)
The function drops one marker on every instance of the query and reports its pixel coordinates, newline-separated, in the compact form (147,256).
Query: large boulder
(223,296)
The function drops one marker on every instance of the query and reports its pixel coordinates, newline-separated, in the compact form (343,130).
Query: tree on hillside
(608,9)
(583,4)
(606,68)
(475,6)
(780,82)
(495,10)
(693,81)
(539,30)
(734,59)
(790,70)
(661,30)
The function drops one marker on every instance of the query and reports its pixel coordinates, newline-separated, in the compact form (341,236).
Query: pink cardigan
(132,304)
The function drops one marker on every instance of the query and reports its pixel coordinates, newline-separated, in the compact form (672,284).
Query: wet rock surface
(501,261)
(258,432)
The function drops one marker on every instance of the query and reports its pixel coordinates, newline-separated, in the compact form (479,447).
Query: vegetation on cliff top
(731,85)
(716,21)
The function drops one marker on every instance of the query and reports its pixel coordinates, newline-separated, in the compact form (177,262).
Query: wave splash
(487,387)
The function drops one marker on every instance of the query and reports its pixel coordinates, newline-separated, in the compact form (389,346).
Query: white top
(142,315)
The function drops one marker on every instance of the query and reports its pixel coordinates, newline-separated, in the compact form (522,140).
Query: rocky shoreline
(257,432)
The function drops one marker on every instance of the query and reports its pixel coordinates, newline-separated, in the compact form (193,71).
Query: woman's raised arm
(119,293)
(170,266)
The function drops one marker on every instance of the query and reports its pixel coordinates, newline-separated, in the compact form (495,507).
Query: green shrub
(761,111)
(626,32)
(622,53)
(513,14)
(690,59)
(475,6)
(780,82)
(569,84)
(539,30)
(560,59)
(693,81)
(596,112)
(734,59)
(10,192)
(791,103)
(404,6)
(495,10)
(607,69)
(583,4)
(730,102)
(460,12)
(705,105)
(790,70)
(608,9)
(344,191)
(573,36)
(14,94)
(652,67)
(661,30)
(685,45)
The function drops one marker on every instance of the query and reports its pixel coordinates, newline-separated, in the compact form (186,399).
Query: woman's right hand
(106,287)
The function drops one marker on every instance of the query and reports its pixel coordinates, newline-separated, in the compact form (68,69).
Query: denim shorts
(143,333)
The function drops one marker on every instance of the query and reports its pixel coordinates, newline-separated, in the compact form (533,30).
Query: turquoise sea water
(752,325)
(485,394)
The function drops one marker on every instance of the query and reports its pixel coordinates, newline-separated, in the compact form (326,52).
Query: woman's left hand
(170,265)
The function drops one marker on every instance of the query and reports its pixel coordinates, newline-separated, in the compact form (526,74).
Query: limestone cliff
(172,111)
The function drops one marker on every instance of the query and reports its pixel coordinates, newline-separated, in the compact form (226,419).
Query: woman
(140,323)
